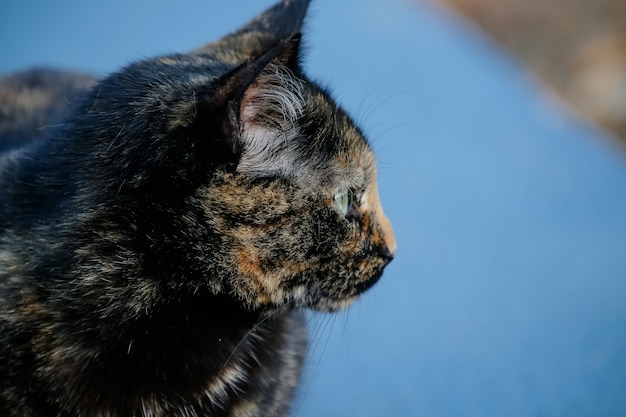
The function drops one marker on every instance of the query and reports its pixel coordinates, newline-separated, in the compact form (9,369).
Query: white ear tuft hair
(269,113)
(277,96)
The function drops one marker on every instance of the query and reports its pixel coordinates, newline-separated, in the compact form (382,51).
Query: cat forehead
(358,161)
(351,162)
(346,141)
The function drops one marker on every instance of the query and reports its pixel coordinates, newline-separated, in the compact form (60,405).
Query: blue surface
(508,294)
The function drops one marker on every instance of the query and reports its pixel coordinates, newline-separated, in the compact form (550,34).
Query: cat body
(157,247)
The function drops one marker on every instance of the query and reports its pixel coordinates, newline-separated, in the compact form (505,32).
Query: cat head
(253,182)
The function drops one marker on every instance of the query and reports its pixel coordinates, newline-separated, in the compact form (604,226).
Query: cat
(158,246)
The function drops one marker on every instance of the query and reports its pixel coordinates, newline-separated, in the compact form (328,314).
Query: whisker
(254,328)
(312,365)
(263,319)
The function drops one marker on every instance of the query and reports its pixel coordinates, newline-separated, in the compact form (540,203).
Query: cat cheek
(265,278)
(254,284)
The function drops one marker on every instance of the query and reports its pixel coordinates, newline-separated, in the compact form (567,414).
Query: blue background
(508,294)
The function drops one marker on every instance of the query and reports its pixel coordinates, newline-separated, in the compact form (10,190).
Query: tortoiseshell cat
(156,249)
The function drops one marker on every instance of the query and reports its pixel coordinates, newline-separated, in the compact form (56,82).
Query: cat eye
(343,200)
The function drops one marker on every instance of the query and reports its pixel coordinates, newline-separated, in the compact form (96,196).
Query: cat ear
(263,96)
(277,24)
(268,114)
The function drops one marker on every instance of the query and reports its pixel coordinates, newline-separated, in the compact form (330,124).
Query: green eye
(343,200)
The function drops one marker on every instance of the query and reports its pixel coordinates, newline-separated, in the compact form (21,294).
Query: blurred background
(501,170)
(576,46)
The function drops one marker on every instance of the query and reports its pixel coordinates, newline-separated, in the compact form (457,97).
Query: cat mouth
(330,302)
(381,261)
(361,287)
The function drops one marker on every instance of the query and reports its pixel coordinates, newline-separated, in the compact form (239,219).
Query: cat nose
(386,254)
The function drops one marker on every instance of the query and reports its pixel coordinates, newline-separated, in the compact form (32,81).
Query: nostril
(385,253)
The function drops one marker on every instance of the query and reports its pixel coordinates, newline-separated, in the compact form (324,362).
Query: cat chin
(331,305)
(314,300)
(318,301)
(323,302)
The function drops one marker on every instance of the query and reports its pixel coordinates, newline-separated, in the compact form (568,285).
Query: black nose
(385,253)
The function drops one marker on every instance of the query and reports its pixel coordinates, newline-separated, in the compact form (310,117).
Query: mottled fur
(157,247)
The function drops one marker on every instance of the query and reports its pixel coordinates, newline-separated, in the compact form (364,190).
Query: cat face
(301,213)
(314,233)
(259,185)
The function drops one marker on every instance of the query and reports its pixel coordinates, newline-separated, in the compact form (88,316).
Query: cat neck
(184,351)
